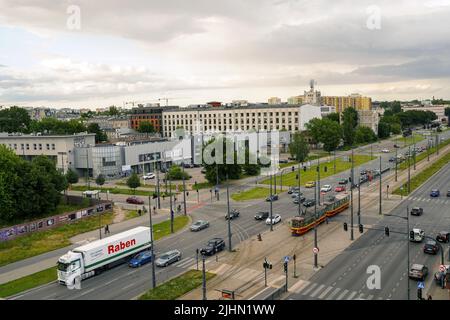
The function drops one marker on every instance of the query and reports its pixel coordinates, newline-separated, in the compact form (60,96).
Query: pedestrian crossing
(433,200)
(324,292)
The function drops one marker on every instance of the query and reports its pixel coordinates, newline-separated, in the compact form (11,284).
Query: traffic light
(296,176)
(361,228)
(325,169)
(345,226)
(285,267)
(187,193)
(411,235)
(293,168)
(349,179)
(304,168)
(386,231)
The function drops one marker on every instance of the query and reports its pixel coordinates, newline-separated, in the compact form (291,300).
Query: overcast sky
(195,51)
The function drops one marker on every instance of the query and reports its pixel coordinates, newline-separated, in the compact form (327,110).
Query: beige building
(369,118)
(296,100)
(439,110)
(274,100)
(342,102)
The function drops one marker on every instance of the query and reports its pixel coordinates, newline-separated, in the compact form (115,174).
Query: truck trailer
(90,259)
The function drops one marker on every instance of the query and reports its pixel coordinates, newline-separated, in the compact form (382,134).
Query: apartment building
(150,114)
(369,118)
(342,102)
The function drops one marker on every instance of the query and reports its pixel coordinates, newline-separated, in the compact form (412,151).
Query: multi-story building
(296,100)
(438,110)
(369,118)
(230,119)
(274,100)
(342,102)
(150,114)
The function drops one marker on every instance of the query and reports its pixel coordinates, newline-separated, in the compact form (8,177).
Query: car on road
(233,214)
(443,236)
(148,176)
(325,188)
(275,219)
(340,189)
(134,200)
(309,203)
(300,199)
(188,165)
(214,245)
(418,272)
(295,194)
(431,247)
(199,225)
(168,258)
(310,184)
(363,172)
(140,259)
(448,193)
(416,235)
(262,215)
(416,211)
(293,189)
(392,159)
(385,151)
(343,181)
(283,161)
(273,197)
(396,146)
(435,193)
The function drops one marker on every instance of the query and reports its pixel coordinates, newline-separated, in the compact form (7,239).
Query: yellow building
(296,100)
(356,101)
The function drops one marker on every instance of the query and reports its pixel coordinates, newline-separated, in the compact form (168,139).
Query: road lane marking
(325,292)
(311,287)
(342,295)
(317,290)
(299,286)
(126,287)
(350,297)
(333,293)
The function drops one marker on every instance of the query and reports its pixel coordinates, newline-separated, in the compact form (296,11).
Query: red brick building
(149,114)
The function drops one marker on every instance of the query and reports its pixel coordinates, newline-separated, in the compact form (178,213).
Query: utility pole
(414,152)
(299,193)
(153,243)
(351,199)
(281,180)
(184,190)
(275,182)
(379,211)
(271,207)
(204,277)
(157,188)
(171,206)
(318,177)
(409,170)
(396,161)
(407,238)
(228,214)
(315,227)
(217,182)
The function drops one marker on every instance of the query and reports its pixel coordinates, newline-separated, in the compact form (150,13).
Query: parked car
(435,193)
(392,159)
(396,146)
(188,165)
(418,272)
(310,184)
(443,236)
(283,161)
(300,199)
(148,176)
(416,211)
(325,188)
(261,215)
(343,181)
(385,151)
(275,219)
(168,258)
(214,245)
(296,194)
(309,203)
(199,225)
(273,197)
(340,188)
(134,200)
(431,247)
(233,214)
(140,259)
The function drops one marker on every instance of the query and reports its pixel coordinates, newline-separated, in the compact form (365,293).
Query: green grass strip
(33,280)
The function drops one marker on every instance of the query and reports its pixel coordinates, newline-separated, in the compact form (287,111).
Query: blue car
(140,259)
(435,193)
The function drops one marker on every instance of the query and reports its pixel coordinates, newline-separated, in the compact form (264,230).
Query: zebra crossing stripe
(311,287)
(182,263)
(350,297)
(325,292)
(317,290)
(342,295)
(299,286)
(333,293)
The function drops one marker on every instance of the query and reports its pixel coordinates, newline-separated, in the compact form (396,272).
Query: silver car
(168,258)
(199,225)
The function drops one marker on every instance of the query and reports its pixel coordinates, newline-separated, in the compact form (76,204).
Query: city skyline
(191,54)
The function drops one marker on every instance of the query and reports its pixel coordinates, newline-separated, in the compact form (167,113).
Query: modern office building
(151,114)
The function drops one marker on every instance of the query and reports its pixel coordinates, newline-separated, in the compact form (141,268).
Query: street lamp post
(351,198)
(171,206)
(203,277)
(409,170)
(299,193)
(359,203)
(184,190)
(396,161)
(380,189)
(315,228)
(228,215)
(414,152)
(271,207)
(152,242)
(157,188)
(318,177)
(217,182)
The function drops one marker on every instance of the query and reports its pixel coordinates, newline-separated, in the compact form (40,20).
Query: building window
(21,146)
(15,146)
(34,146)
(28,146)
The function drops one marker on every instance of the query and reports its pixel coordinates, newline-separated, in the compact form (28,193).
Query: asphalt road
(346,276)
(125,283)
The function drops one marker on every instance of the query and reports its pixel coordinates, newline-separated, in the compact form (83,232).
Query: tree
(250,169)
(100,135)
(14,119)
(349,122)
(334,116)
(364,135)
(298,148)
(146,127)
(100,180)
(383,130)
(176,173)
(133,182)
(331,135)
(113,111)
(314,127)
(71,176)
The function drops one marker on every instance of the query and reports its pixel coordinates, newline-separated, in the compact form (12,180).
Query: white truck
(90,259)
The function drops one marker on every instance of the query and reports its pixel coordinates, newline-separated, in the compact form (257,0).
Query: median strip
(25,283)
(177,286)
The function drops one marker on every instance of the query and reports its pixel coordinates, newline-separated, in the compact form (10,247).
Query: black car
(309,203)
(392,159)
(283,161)
(448,193)
(363,172)
(343,181)
(431,247)
(299,198)
(416,211)
(233,214)
(262,215)
(443,236)
(214,245)
(274,197)
(293,189)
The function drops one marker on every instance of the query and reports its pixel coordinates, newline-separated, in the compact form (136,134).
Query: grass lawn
(289,179)
(424,175)
(202,185)
(121,191)
(423,155)
(131,214)
(254,193)
(177,287)
(402,141)
(162,229)
(28,282)
(44,241)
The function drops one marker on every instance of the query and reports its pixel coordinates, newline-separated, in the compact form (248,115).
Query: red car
(135,200)
(340,188)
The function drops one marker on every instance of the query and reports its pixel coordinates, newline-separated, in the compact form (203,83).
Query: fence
(46,223)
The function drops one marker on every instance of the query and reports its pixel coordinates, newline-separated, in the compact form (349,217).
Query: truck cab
(70,268)
(416,235)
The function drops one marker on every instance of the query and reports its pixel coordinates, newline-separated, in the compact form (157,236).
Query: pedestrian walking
(154,210)
(429,297)
(107,229)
